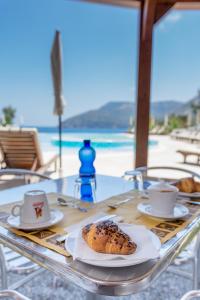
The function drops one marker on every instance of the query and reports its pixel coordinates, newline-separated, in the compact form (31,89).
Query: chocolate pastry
(186,185)
(107,237)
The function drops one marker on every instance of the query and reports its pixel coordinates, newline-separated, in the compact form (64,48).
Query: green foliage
(8,115)
(175,122)
(152,123)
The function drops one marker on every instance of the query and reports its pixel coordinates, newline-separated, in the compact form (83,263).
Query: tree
(176,122)
(8,115)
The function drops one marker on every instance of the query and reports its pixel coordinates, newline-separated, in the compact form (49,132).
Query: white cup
(34,210)
(162,197)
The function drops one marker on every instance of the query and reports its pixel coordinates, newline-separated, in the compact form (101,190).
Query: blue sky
(99,56)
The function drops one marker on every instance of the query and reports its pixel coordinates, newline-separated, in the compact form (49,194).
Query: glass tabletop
(107,186)
(97,280)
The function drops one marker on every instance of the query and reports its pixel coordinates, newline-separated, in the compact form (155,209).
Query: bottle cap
(86,142)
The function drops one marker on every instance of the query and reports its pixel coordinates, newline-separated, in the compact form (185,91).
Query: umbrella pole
(60,140)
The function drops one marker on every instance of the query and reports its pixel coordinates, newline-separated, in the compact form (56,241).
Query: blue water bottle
(87,171)
(87,156)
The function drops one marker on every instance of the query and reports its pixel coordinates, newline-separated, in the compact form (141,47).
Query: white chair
(10,260)
(191,295)
(15,177)
(190,253)
(12,294)
(144,171)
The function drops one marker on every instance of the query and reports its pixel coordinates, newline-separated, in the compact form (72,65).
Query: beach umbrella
(56,69)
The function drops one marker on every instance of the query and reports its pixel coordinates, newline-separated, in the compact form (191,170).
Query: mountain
(111,115)
(162,108)
(118,114)
(187,107)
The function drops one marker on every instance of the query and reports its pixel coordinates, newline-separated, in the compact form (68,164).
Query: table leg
(3,270)
(196,265)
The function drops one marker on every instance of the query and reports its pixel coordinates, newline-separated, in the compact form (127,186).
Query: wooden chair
(20,149)
(185,154)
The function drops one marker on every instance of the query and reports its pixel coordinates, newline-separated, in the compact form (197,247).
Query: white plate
(56,216)
(190,195)
(112,263)
(180,211)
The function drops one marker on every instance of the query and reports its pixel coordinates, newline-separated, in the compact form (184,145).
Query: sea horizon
(54,129)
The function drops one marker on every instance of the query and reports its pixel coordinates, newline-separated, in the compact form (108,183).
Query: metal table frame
(104,281)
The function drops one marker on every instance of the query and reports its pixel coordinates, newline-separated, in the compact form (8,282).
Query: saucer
(190,195)
(180,211)
(56,217)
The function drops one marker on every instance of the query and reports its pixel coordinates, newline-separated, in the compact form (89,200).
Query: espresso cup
(35,208)
(163,198)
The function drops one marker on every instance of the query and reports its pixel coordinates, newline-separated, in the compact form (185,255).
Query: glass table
(95,280)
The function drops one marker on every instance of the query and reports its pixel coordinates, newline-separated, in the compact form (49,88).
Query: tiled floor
(49,287)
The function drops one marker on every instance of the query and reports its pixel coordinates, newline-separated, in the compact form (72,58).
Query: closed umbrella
(56,69)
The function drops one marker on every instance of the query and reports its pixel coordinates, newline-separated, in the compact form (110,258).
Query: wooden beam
(179,4)
(147,17)
(187,6)
(179,1)
(161,10)
(123,3)
(182,4)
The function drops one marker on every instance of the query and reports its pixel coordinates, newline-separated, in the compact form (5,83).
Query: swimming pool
(100,139)
(98,142)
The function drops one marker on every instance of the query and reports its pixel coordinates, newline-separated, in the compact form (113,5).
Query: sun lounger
(20,149)
(189,153)
(191,135)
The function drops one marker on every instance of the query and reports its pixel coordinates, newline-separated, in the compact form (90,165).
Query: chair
(185,154)
(20,149)
(15,177)
(144,171)
(10,260)
(191,295)
(13,294)
(190,253)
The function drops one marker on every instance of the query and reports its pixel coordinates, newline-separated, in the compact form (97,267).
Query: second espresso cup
(35,208)
(162,198)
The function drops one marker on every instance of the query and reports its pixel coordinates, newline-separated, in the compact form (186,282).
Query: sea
(101,139)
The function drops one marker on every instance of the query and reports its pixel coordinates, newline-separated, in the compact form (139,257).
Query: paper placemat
(49,238)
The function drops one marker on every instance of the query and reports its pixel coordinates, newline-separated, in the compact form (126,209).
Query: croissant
(186,185)
(107,237)
(197,186)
